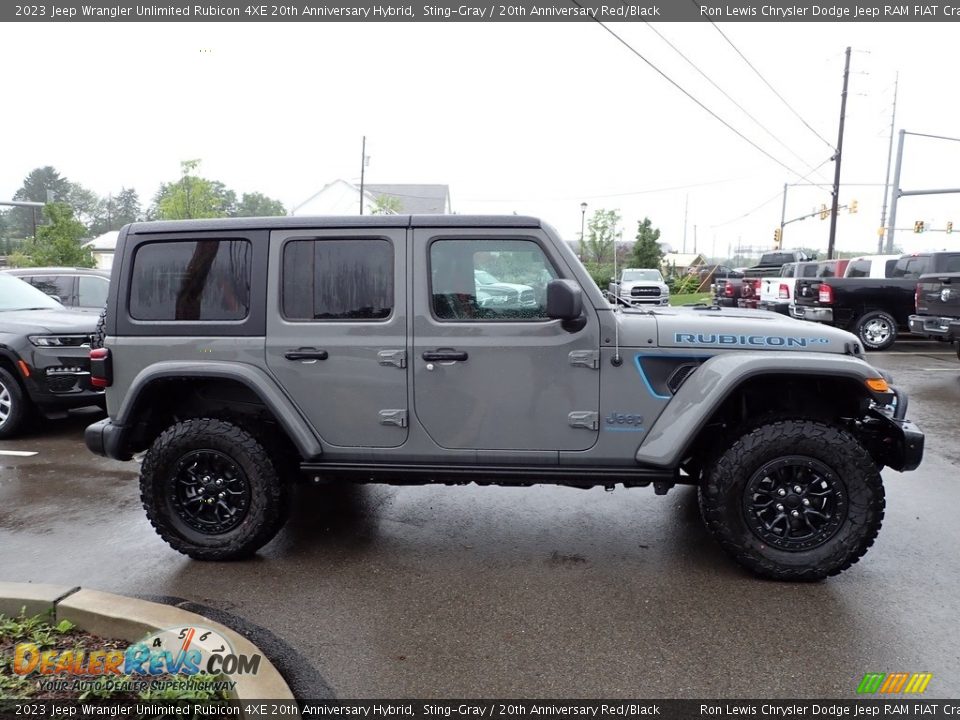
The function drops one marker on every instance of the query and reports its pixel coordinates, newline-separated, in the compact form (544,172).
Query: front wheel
(877,330)
(795,500)
(211,491)
(14,405)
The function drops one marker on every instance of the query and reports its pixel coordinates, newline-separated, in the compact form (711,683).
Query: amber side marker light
(24,368)
(878,385)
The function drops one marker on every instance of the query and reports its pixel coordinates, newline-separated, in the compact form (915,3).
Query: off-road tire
(14,403)
(268,493)
(96,340)
(722,502)
(872,320)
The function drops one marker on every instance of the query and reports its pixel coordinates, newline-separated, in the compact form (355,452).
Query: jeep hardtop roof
(334,221)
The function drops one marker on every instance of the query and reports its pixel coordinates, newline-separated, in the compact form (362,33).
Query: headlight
(60,340)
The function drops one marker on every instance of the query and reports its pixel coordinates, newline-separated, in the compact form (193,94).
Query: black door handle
(445,355)
(306,354)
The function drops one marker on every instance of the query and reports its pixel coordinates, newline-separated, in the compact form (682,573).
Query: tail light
(826,294)
(916,298)
(101,368)
(728,290)
(784,291)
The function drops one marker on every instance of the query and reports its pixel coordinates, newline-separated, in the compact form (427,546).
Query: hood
(29,322)
(732,329)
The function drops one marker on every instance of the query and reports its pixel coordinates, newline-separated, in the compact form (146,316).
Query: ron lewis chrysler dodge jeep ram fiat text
(240,354)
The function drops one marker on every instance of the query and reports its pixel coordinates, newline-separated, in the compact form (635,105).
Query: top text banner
(475,11)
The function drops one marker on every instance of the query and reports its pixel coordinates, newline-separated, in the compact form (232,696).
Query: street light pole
(583,220)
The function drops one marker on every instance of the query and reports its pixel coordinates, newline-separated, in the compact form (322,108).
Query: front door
(491,371)
(337,331)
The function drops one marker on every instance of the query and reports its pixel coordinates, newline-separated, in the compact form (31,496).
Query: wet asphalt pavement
(436,592)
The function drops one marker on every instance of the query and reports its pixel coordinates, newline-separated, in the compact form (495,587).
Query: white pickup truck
(776,293)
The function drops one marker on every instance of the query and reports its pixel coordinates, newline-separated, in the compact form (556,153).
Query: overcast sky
(528,117)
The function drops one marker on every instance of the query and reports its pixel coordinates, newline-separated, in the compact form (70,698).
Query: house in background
(343,198)
(682,263)
(103,248)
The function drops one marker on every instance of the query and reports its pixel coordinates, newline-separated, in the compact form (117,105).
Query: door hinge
(397,358)
(586,419)
(393,417)
(585,358)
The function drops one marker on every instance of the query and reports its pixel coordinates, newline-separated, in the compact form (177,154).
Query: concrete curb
(123,618)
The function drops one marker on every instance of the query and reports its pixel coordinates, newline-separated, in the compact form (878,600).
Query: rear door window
(337,279)
(858,268)
(60,287)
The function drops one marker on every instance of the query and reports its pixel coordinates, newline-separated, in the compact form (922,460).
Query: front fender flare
(715,380)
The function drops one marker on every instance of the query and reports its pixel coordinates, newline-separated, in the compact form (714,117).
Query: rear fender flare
(259,382)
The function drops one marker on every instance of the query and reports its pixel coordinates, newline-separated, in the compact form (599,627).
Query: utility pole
(783,213)
(363,166)
(686,205)
(886,186)
(895,192)
(837,158)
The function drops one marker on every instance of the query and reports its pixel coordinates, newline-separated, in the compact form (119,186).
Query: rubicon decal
(894,683)
(747,340)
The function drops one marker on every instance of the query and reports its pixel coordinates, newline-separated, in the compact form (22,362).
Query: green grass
(691,298)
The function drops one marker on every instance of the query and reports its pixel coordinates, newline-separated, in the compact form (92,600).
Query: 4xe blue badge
(747,340)
(623,422)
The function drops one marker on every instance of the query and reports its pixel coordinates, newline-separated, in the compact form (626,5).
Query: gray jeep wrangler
(241,354)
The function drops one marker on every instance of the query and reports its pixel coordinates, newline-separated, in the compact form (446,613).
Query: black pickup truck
(733,291)
(874,309)
(938,305)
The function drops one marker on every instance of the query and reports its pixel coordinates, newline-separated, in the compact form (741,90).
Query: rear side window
(858,268)
(953,264)
(337,279)
(910,267)
(92,291)
(191,280)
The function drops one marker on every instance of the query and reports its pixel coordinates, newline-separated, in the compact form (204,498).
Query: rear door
(491,372)
(337,329)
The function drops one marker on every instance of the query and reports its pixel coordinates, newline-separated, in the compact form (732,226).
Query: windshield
(653,275)
(15,294)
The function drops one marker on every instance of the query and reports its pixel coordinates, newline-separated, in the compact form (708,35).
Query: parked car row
(875,297)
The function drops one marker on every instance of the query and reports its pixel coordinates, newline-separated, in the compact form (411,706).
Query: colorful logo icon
(894,683)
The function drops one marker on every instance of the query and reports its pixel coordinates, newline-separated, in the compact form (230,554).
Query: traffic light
(777,238)
(853,206)
(949,226)
(919,226)
(824,212)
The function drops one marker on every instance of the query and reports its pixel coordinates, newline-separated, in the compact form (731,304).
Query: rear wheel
(794,500)
(211,491)
(14,405)
(877,330)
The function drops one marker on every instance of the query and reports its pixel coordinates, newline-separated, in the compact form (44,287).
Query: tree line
(597,249)
(53,234)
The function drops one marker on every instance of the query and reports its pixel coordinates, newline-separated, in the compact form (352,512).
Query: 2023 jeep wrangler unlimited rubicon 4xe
(240,354)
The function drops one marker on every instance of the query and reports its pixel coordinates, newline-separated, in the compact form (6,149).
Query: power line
(727,96)
(766,82)
(767,202)
(685,92)
(648,191)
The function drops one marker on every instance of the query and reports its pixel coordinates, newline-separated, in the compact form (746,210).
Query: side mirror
(564,300)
